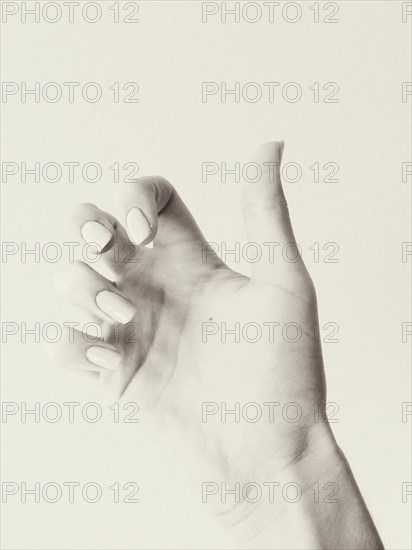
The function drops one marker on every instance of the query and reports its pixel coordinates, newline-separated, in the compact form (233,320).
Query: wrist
(292,499)
(265,483)
(314,503)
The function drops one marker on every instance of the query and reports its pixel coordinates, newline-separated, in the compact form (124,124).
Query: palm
(209,336)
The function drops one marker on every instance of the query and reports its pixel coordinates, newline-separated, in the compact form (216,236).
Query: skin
(181,365)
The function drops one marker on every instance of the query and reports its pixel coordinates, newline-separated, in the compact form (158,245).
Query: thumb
(266,215)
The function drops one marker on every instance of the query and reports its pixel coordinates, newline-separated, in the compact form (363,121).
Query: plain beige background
(169,53)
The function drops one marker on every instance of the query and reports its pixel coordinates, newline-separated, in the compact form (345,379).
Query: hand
(182,298)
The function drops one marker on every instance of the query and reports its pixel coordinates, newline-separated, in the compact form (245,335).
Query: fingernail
(116,307)
(103,357)
(138,226)
(96,233)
